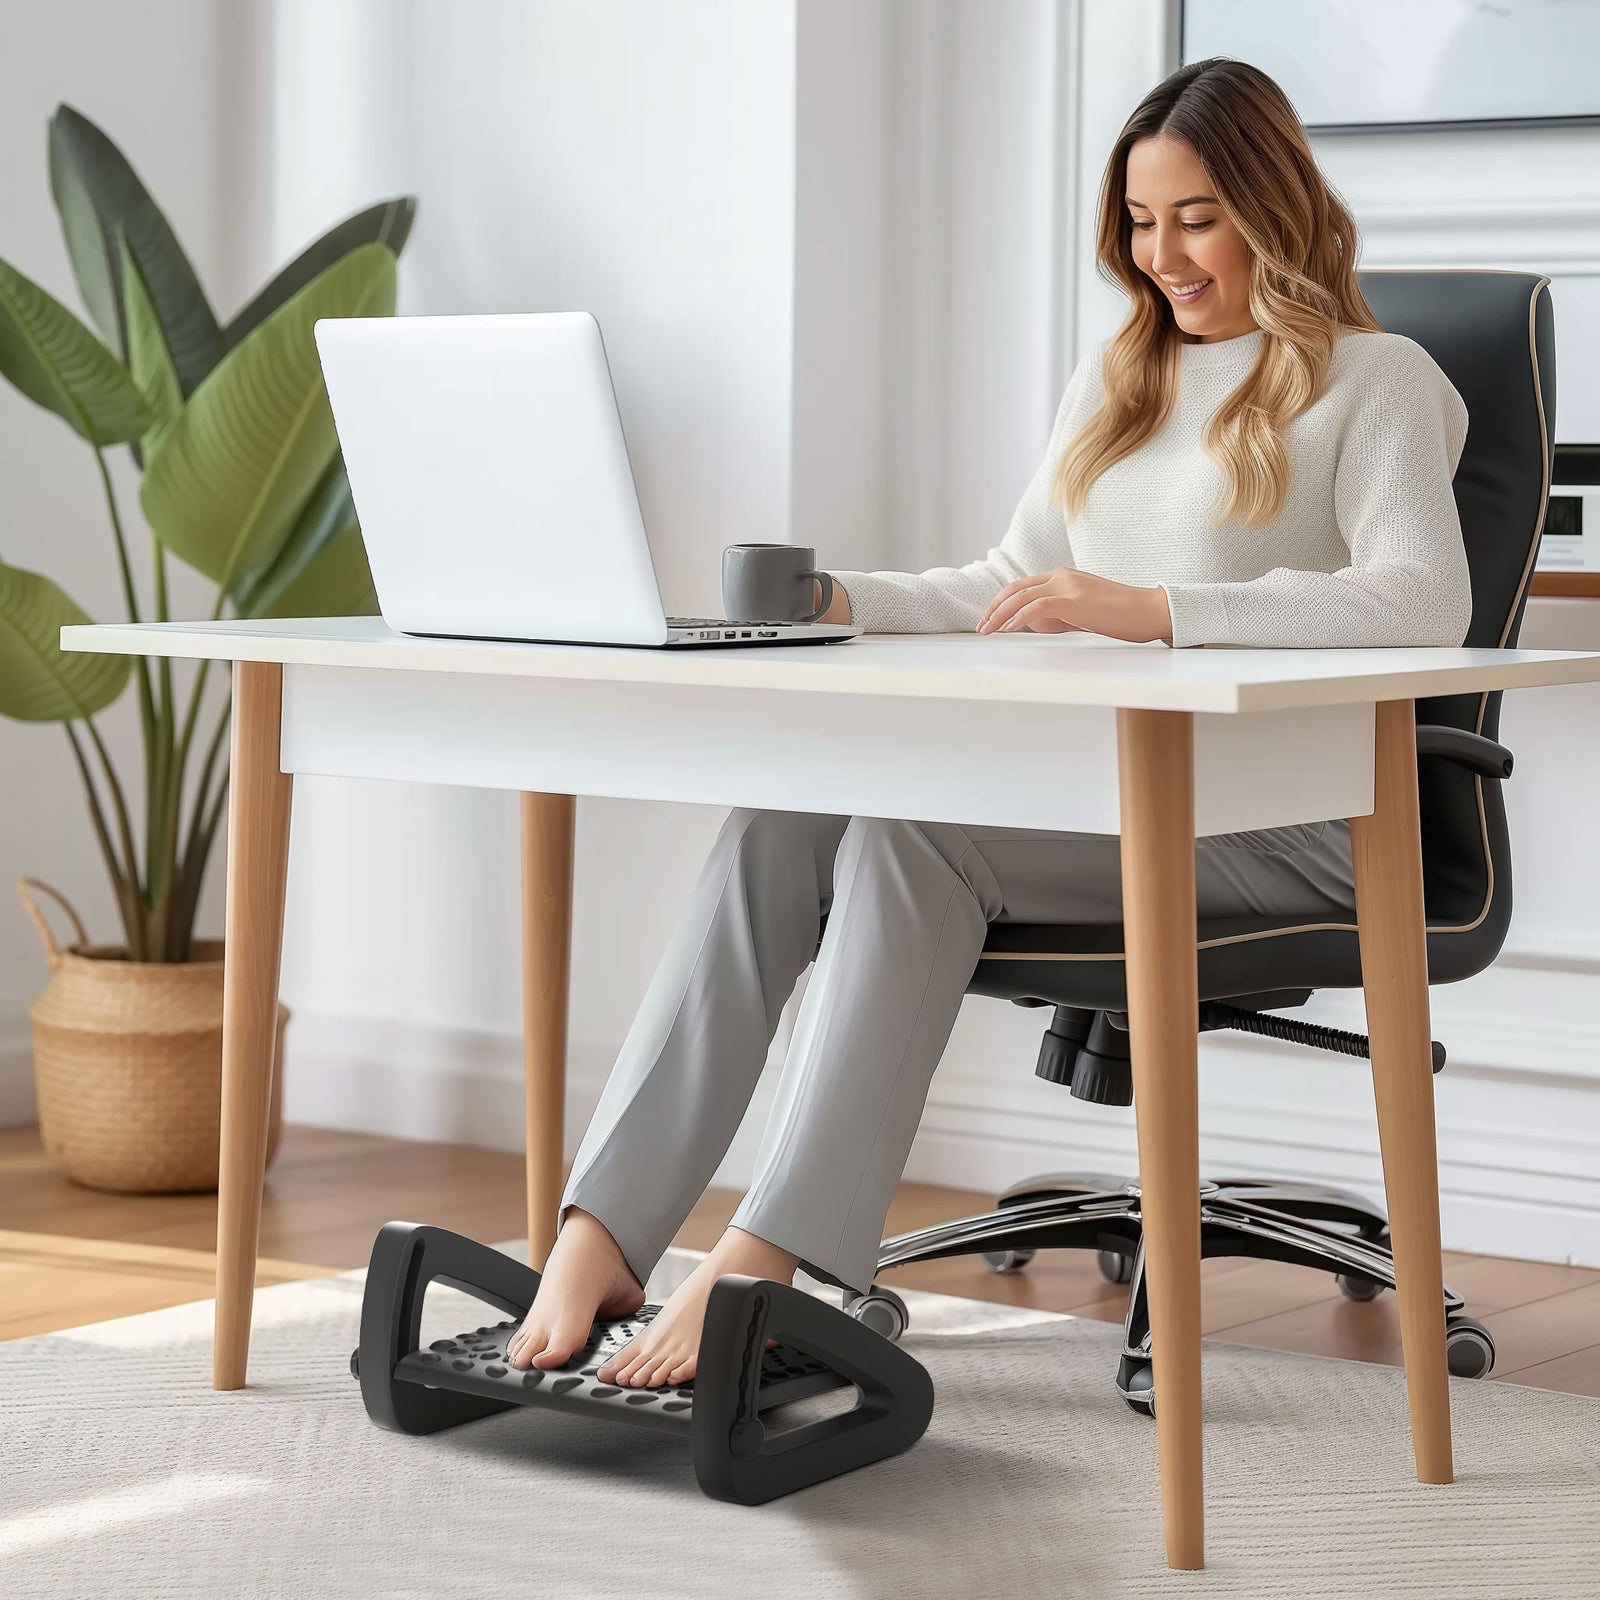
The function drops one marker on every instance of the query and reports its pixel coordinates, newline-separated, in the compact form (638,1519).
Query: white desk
(1066,731)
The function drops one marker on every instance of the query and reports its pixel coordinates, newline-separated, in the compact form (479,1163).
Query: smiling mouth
(1193,294)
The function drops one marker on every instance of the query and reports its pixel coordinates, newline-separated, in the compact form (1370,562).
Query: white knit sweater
(1366,549)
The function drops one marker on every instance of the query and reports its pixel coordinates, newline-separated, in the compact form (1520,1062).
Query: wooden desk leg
(1155,764)
(1386,849)
(547,835)
(258,863)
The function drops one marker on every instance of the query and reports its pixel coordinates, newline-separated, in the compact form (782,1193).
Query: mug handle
(827,594)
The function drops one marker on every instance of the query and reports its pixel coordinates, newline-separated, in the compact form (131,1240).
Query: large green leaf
(39,681)
(54,360)
(149,360)
(329,510)
(99,194)
(388,223)
(230,476)
(337,582)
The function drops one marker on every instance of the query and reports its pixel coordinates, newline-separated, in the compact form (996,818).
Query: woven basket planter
(127,1062)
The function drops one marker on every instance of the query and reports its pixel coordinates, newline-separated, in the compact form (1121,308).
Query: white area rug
(123,1473)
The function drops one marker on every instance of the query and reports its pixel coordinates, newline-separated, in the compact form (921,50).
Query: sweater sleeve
(952,599)
(1407,582)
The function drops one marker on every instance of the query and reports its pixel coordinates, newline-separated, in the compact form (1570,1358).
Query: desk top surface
(1046,669)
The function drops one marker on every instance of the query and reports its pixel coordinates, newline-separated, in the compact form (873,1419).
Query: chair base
(1311,1225)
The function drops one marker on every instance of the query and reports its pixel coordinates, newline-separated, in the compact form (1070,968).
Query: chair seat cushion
(1083,964)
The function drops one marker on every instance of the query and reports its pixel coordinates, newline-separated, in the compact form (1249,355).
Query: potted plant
(242,480)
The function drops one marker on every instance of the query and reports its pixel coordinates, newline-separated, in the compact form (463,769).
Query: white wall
(840,252)
(839,401)
(981,210)
(639,162)
(876,194)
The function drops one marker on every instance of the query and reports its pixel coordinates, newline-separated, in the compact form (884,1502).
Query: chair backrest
(1493,335)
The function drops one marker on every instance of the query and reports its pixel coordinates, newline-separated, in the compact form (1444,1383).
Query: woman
(1251,460)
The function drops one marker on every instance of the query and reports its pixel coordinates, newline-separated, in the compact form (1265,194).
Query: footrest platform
(475,1363)
(738,1381)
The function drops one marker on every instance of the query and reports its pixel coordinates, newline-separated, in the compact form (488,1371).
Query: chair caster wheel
(1007,1260)
(1139,1390)
(882,1310)
(355,1364)
(1355,1286)
(1114,1266)
(1469,1348)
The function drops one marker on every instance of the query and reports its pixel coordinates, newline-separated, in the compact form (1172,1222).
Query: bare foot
(665,1352)
(586,1277)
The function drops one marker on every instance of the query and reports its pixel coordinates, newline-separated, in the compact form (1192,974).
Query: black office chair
(1492,333)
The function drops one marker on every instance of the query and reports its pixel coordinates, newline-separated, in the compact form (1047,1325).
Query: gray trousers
(908,904)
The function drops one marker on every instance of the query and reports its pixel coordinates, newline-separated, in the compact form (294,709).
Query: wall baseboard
(415,1081)
(1516,1144)
(1518,1105)
(1517,1111)
(19,1105)
(1507,1185)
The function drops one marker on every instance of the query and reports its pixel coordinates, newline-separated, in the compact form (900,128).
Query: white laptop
(489,471)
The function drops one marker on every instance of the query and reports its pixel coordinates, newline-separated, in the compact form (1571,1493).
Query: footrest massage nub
(722,1413)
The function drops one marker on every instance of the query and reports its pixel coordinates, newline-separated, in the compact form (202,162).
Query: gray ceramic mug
(772,583)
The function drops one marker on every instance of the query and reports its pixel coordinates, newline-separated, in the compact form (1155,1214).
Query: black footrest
(455,1380)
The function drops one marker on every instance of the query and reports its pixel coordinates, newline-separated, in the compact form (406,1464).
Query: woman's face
(1182,237)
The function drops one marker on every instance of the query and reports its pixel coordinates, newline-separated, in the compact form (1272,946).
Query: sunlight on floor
(76,1519)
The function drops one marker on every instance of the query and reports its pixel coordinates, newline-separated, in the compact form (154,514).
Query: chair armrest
(1469,750)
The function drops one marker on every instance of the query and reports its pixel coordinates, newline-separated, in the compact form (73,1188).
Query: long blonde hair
(1303,286)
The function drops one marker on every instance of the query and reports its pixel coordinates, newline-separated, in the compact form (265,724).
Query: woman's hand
(838,610)
(1069,600)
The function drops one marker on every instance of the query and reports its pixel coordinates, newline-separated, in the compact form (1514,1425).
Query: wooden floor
(70,1255)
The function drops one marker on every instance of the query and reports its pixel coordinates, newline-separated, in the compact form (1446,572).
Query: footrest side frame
(735,1456)
(406,1258)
